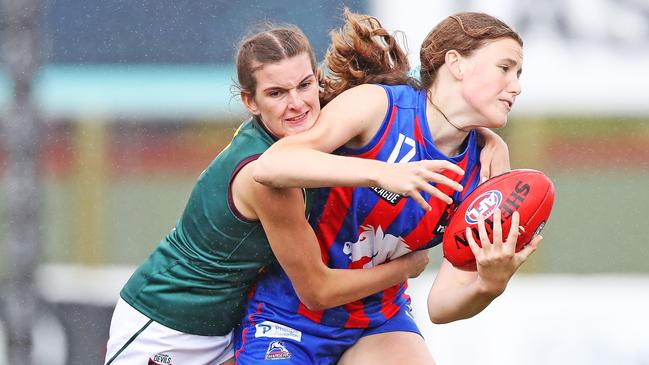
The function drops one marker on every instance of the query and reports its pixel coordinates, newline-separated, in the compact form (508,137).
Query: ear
(249,102)
(453,60)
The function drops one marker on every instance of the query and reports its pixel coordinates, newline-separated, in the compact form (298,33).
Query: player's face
(286,98)
(490,84)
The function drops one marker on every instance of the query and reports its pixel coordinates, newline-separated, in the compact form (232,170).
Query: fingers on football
(512,237)
(484,171)
(497,228)
(482,231)
(472,243)
(530,248)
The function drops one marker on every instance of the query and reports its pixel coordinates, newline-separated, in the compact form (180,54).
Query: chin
(301,128)
(498,121)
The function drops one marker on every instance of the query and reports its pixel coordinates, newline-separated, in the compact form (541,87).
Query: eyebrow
(284,88)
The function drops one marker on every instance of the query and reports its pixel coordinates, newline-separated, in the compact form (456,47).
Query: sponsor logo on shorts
(160,359)
(277,351)
(276,330)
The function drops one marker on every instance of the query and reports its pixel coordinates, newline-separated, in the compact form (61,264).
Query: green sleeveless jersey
(197,279)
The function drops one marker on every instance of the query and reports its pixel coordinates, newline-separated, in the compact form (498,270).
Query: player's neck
(447,135)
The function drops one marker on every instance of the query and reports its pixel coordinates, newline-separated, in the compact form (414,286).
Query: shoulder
(404,96)
(373,99)
(252,133)
(380,97)
(241,190)
(252,198)
(248,142)
(372,91)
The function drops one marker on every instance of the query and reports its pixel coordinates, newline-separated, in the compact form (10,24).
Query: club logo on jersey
(160,359)
(277,351)
(388,196)
(276,330)
(374,246)
(483,206)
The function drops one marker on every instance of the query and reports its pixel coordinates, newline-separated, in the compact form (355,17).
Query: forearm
(456,303)
(334,287)
(307,168)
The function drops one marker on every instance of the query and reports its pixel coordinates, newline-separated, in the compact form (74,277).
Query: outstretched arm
(282,213)
(351,119)
(458,294)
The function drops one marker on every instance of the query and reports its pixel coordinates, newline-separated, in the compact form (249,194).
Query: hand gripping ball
(527,191)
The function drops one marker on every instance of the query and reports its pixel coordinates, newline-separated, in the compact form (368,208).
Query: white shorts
(136,339)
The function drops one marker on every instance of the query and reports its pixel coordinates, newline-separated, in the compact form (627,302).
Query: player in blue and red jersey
(387,202)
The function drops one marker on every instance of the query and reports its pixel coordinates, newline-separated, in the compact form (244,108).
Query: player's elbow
(444,317)
(264,172)
(438,319)
(315,299)
(315,305)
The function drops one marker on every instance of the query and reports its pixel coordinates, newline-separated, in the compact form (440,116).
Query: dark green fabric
(197,279)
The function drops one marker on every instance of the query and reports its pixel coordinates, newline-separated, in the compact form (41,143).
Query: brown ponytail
(362,52)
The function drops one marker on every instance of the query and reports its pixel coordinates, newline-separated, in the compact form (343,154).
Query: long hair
(362,52)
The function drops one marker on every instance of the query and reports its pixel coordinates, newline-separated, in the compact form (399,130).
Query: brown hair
(464,32)
(362,52)
(269,44)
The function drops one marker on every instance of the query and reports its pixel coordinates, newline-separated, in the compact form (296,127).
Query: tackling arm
(281,212)
(304,160)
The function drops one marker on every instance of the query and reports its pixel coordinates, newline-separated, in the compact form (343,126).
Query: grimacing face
(491,81)
(286,97)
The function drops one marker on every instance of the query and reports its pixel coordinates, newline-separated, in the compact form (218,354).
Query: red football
(529,192)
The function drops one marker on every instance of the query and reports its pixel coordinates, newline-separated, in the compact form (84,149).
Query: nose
(295,100)
(515,87)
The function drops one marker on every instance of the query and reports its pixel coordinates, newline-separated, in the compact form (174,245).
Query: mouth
(508,104)
(298,119)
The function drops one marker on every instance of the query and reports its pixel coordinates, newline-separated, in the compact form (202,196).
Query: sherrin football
(527,191)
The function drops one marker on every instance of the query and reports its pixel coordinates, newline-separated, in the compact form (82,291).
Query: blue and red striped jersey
(363,227)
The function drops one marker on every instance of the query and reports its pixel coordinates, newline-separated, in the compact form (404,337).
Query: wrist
(402,269)
(490,288)
(373,173)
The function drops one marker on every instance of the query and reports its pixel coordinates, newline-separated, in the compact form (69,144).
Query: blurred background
(111,109)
